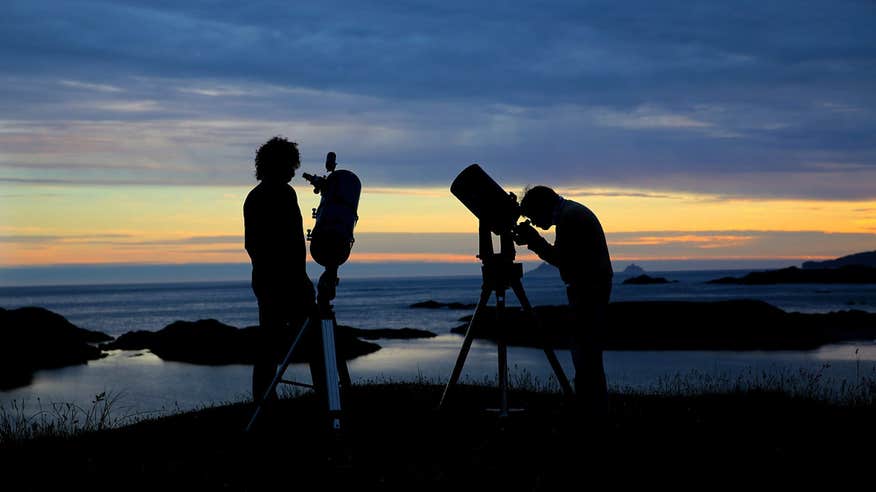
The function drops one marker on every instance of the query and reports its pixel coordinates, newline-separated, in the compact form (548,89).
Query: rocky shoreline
(35,338)
(656,325)
(850,274)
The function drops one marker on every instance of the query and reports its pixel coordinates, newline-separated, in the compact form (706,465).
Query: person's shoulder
(572,208)
(253,194)
(574,211)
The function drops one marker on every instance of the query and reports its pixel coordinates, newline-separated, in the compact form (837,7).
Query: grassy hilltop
(395,440)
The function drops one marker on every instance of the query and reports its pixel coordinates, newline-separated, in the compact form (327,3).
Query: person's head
(276,160)
(538,205)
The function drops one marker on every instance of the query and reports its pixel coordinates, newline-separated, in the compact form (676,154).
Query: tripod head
(326,290)
(499,270)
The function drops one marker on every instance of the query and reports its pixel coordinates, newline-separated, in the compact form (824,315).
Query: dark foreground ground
(395,440)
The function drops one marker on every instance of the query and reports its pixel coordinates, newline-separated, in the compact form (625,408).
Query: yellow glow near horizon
(687,212)
(151,224)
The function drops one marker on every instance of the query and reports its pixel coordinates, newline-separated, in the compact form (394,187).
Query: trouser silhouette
(278,326)
(589,308)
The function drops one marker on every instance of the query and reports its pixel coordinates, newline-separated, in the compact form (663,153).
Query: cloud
(736,244)
(579,192)
(643,118)
(618,94)
(48,238)
(699,241)
(90,87)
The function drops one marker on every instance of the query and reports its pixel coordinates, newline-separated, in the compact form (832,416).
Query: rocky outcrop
(794,275)
(210,342)
(33,338)
(648,280)
(858,259)
(633,270)
(655,325)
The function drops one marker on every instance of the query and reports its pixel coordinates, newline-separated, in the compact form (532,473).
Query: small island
(633,270)
(648,280)
(210,342)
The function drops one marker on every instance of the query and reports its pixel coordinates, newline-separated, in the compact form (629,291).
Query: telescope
(497,209)
(497,212)
(331,239)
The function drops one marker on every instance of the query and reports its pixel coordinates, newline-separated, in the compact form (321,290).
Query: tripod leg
(502,355)
(279,375)
(333,389)
(517,286)
(466,344)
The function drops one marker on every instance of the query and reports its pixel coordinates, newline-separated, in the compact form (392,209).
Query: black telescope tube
(486,199)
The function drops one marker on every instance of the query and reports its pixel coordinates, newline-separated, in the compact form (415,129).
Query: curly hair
(273,157)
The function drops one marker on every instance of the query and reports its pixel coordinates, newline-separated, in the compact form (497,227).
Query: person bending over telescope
(274,239)
(581,254)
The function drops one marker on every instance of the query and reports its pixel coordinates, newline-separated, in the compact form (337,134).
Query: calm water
(151,385)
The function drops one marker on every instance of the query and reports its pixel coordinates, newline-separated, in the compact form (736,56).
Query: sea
(142,384)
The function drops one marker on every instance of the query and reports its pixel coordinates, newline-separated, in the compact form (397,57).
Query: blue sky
(730,98)
(697,131)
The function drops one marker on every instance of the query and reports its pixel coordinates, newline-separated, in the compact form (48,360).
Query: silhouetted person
(581,254)
(275,243)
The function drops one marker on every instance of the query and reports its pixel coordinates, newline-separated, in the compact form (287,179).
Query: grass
(803,384)
(753,427)
(395,440)
(59,419)
(65,420)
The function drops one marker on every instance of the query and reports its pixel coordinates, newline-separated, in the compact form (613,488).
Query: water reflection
(152,386)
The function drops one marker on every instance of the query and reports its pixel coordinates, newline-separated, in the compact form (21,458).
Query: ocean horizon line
(141,273)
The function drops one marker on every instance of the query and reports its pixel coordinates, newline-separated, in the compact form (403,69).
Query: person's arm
(545,250)
(526,234)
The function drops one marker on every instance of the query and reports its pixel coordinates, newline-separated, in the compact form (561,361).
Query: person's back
(581,254)
(274,239)
(581,248)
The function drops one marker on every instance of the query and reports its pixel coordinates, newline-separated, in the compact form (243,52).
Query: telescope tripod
(335,372)
(499,273)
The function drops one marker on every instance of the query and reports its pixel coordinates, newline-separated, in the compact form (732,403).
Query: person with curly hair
(274,239)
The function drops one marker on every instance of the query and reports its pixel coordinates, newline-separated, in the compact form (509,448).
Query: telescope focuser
(317,181)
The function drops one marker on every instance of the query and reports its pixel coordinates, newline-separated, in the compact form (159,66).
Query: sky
(717,131)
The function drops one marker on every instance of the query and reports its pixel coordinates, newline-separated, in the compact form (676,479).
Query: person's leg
(589,309)
(265,366)
(590,385)
(315,359)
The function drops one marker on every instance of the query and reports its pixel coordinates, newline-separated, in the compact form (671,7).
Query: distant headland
(859,268)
